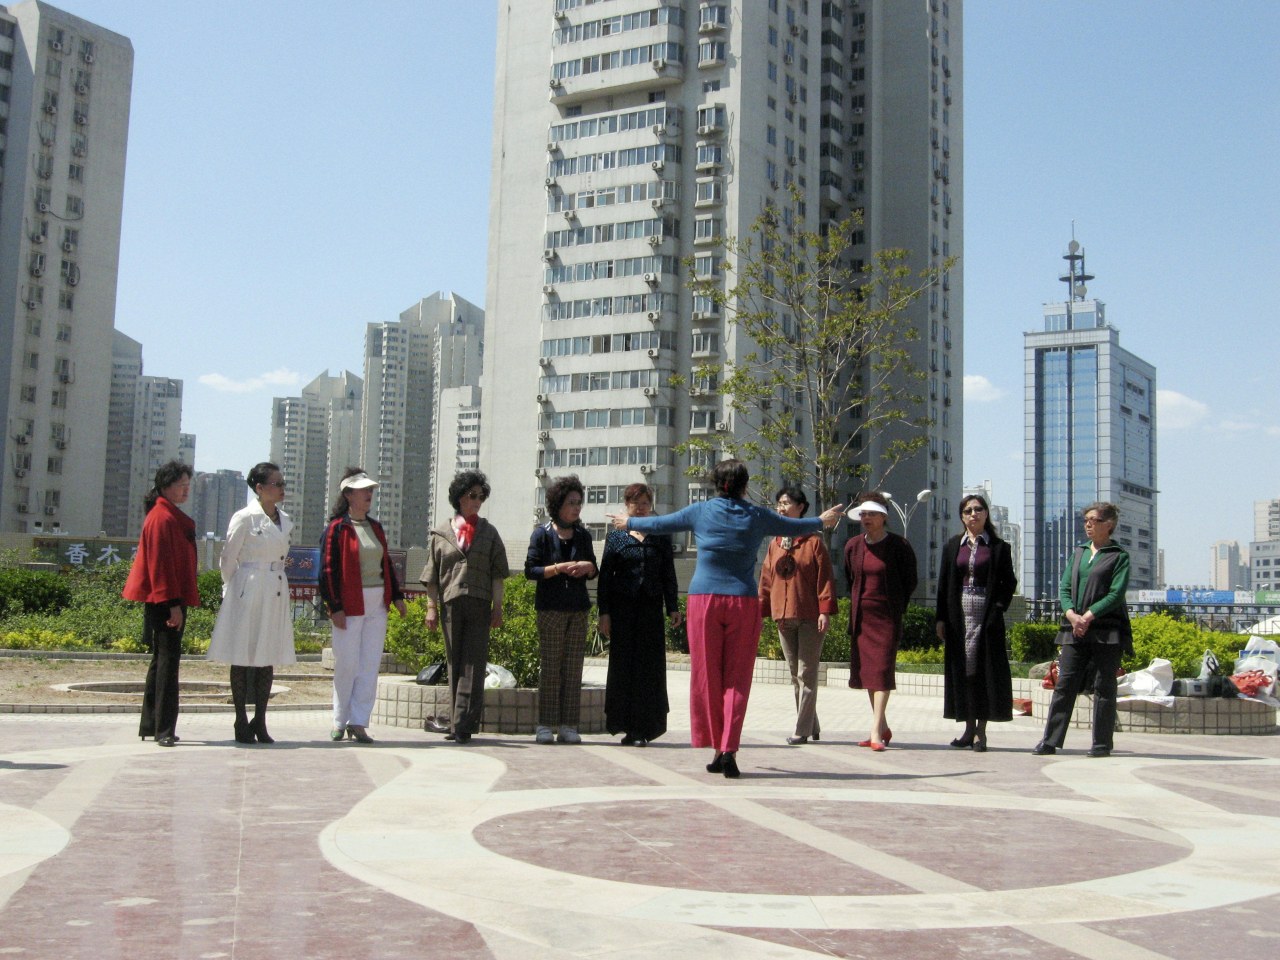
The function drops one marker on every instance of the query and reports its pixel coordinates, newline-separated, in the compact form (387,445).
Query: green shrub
(1033,642)
(1181,643)
(929,655)
(37,639)
(32,591)
(209,584)
(919,630)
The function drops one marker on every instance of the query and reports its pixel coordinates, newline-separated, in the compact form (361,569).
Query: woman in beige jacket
(466,565)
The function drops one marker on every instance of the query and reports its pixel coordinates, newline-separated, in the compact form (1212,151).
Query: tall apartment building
(1090,411)
(314,437)
(64,116)
(435,346)
(214,498)
(1229,570)
(144,419)
(455,443)
(630,136)
(157,439)
(1266,519)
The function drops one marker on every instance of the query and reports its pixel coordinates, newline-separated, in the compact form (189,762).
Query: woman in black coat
(975,584)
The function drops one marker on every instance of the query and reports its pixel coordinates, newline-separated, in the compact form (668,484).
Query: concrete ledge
(388,664)
(1210,716)
(403,703)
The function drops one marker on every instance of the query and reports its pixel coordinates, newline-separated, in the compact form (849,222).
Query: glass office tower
(1090,435)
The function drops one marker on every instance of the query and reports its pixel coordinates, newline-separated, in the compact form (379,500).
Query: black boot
(239,697)
(262,677)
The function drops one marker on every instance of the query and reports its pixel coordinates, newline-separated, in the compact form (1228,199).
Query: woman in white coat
(254,631)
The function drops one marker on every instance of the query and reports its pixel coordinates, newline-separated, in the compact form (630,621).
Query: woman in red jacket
(163,577)
(357,585)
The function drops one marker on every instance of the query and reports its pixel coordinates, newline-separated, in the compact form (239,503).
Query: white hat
(869,506)
(359,481)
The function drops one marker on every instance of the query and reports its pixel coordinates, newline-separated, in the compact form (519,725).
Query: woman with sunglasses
(254,632)
(975,584)
(466,566)
(1095,635)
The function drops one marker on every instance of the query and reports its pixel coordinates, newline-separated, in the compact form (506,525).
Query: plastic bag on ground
(496,677)
(1154,680)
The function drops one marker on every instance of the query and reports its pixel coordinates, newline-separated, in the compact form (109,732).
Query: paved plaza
(413,847)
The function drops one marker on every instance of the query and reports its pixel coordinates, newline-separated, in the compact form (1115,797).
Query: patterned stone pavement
(412,847)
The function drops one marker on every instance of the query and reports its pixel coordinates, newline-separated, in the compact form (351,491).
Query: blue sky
(299,169)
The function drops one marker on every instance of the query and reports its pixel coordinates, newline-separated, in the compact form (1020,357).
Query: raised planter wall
(403,703)
(1198,715)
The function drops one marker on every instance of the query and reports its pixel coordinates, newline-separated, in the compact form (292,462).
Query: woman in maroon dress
(881,570)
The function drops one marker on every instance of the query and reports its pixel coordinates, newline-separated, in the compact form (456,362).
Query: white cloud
(281,377)
(1176,411)
(1237,426)
(978,389)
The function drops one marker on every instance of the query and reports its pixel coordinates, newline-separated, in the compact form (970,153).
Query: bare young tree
(829,377)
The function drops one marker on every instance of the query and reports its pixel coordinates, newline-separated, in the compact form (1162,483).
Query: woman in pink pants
(723,611)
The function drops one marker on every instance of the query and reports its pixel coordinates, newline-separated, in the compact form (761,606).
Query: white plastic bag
(496,677)
(1154,680)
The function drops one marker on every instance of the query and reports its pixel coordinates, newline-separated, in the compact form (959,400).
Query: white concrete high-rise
(629,136)
(157,439)
(214,498)
(1009,531)
(1230,570)
(1266,519)
(126,371)
(455,443)
(314,437)
(65,87)
(435,346)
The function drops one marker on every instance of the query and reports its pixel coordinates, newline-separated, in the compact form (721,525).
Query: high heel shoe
(358,734)
(731,767)
(258,729)
(963,743)
(717,765)
(877,747)
(980,744)
(888,735)
(797,741)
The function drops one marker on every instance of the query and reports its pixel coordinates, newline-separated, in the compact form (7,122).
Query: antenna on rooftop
(1075,278)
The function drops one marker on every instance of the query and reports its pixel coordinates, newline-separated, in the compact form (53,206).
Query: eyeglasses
(1090,521)
(970,510)
(275,483)
(472,495)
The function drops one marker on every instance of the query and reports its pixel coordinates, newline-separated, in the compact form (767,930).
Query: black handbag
(431,675)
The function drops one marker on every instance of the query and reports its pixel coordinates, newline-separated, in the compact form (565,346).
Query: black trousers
(1078,663)
(160,698)
(465,623)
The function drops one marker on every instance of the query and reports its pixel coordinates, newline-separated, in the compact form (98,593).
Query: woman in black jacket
(975,584)
(561,559)
(637,581)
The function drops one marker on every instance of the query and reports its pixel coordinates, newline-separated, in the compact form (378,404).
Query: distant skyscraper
(455,443)
(659,129)
(65,90)
(126,371)
(435,346)
(314,437)
(1229,572)
(1264,565)
(1091,435)
(1266,520)
(214,498)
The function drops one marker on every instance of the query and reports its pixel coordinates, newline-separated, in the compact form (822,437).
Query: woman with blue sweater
(723,614)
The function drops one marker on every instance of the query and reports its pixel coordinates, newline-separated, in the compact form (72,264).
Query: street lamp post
(905,516)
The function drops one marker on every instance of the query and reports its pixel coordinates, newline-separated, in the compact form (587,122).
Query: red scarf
(466,531)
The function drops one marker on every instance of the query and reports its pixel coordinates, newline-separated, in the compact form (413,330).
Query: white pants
(357,653)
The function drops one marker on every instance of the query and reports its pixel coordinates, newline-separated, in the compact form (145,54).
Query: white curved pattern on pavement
(416,837)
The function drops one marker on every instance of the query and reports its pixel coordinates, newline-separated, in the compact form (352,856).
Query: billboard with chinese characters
(85,553)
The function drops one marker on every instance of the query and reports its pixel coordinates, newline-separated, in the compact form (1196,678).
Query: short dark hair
(635,491)
(875,496)
(168,474)
(1105,511)
(989,527)
(795,495)
(464,481)
(730,478)
(260,473)
(341,506)
(559,491)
